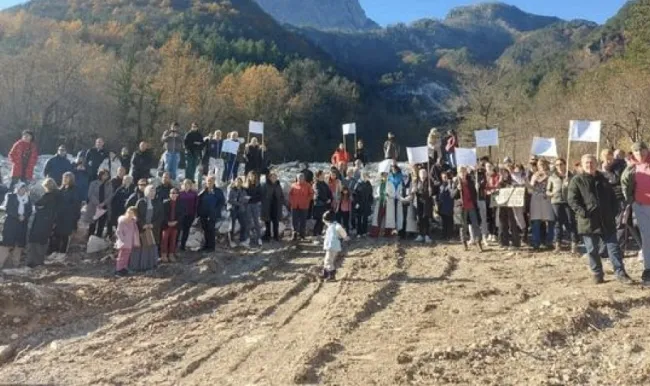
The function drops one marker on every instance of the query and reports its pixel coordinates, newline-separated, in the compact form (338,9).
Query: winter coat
(156,219)
(211,203)
(360,155)
(363,198)
(93,199)
(69,212)
(301,195)
(340,156)
(445,199)
(394,213)
(47,209)
(322,194)
(457,191)
(93,160)
(253,156)
(112,165)
(558,187)
(125,160)
(56,167)
(81,184)
(333,236)
(179,213)
(120,197)
(628,183)
(237,199)
(593,200)
(350,183)
(128,235)
(163,191)
(189,201)
(424,199)
(141,165)
(255,193)
(540,204)
(133,198)
(391,150)
(23,156)
(272,198)
(614,174)
(172,144)
(14,232)
(194,143)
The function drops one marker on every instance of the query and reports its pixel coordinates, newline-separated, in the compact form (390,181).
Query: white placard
(255,127)
(585,131)
(417,155)
(385,166)
(486,138)
(230,146)
(465,157)
(544,147)
(349,128)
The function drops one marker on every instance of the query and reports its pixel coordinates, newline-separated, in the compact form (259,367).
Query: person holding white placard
(509,231)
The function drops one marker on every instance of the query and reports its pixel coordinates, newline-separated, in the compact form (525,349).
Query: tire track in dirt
(285,331)
(379,320)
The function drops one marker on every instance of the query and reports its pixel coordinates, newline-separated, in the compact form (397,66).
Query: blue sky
(393,11)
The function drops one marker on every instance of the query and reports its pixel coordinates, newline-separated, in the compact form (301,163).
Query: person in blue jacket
(82,180)
(58,165)
(211,201)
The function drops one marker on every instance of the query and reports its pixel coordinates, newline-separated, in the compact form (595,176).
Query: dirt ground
(399,314)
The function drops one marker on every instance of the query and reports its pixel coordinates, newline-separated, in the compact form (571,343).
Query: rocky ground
(400,313)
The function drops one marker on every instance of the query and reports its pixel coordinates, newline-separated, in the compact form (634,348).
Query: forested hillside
(73,69)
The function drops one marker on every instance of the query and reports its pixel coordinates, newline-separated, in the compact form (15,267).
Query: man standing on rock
(173,144)
(23,156)
(58,165)
(391,148)
(593,200)
(94,158)
(636,189)
(194,145)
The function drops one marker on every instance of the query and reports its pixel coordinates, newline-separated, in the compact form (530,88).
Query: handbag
(147,239)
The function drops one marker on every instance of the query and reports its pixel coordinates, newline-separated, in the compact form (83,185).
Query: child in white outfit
(334,233)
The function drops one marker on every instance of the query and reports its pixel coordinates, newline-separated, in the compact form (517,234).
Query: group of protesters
(592,201)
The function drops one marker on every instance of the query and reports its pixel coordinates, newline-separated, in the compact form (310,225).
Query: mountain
(346,15)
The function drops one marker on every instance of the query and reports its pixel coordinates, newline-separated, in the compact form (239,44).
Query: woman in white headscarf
(14,234)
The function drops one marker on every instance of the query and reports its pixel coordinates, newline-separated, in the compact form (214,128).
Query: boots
(574,247)
(558,247)
(16,255)
(4,255)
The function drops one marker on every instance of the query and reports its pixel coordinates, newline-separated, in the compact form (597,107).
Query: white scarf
(22,201)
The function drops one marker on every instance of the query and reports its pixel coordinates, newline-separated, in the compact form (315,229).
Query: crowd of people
(592,201)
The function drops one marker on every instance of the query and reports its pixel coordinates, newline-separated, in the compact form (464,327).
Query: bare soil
(399,314)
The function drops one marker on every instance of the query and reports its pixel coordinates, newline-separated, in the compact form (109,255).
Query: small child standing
(128,237)
(334,233)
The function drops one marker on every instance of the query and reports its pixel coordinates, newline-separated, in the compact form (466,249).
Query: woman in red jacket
(23,155)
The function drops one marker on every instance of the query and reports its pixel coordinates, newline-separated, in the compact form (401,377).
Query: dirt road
(400,313)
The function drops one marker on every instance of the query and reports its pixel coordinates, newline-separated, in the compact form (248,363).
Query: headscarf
(22,200)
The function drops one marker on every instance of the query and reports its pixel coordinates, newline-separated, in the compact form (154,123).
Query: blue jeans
(537,233)
(592,243)
(565,222)
(171,163)
(642,214)
(254,212)
(241,217)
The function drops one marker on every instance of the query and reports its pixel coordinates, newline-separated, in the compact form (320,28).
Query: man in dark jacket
(94,158)
(309,175)
(363,196)
(137,195)
(125,159)
(56,166)
(194,144)
(391,148)
(211,201)
(322,201)
(163,190)
(142,162)
(593,200)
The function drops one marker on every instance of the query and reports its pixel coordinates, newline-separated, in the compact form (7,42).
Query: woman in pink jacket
(128,237)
